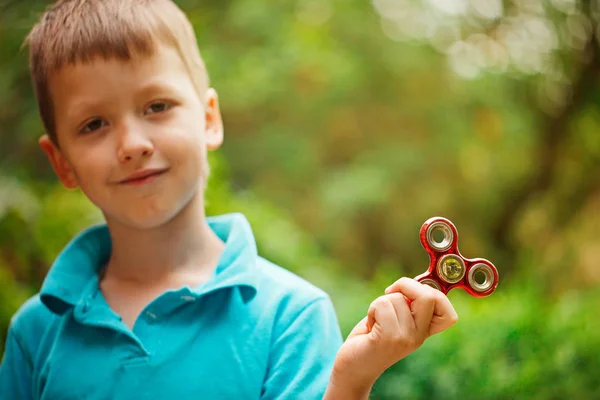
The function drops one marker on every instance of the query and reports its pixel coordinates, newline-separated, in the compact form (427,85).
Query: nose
(133,145)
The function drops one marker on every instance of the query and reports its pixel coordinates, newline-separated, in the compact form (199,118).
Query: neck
(183,247)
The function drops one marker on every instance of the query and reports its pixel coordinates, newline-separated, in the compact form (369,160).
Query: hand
(391,331)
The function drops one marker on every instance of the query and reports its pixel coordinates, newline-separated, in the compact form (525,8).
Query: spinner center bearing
(451,268)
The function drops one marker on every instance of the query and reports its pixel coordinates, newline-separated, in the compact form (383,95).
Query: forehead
(105,77)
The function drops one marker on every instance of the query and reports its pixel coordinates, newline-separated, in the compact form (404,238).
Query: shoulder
(286,296)
(283,283)
(30,321)
(296,308)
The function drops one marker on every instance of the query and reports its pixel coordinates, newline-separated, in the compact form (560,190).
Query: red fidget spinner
(448,269)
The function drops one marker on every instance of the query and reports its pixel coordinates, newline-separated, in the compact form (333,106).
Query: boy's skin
(114,119)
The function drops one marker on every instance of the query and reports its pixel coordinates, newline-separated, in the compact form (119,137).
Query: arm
(15,370)
(341,388)
(393,329)
(302,353)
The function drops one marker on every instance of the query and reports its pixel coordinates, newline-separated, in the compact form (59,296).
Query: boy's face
(133,135)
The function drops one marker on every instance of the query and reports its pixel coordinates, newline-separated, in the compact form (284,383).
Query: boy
(162,301)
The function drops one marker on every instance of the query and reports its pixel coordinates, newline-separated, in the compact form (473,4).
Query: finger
(407,286)
(360,329)
(403,312)
(371,316)
(382,312)
(444,315)
(424,301)
(394,288)
(423,307)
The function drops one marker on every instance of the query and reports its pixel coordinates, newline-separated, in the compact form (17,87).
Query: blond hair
(76,31)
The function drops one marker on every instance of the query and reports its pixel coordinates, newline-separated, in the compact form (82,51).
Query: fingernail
(387,289)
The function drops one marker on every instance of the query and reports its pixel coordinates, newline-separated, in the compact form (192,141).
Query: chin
(144,218)
(155,213)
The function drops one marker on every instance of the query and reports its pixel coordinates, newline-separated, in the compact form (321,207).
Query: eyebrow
(78,111)
(157,86)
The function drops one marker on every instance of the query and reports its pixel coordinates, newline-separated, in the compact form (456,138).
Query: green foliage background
(348,124)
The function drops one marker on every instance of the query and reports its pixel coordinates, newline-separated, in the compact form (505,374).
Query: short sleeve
(15,370)
(302,354)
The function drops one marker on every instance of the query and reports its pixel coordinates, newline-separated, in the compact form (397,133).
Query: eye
(93,125)
(158,107)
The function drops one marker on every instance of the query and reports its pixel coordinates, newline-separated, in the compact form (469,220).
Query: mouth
(142,177)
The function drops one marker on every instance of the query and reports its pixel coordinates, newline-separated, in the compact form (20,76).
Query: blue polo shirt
(253,331)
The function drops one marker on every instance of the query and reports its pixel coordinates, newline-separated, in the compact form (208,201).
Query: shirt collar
(79,262)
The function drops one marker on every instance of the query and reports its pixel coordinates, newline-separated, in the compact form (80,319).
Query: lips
(143,176)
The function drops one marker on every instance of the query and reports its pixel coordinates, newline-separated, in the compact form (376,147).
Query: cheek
(190,156)
(89,168)
(187,143)
(194,126)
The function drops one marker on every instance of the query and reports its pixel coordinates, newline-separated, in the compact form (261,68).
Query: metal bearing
(432,283)
(446,241)
(487,273)
(451,268)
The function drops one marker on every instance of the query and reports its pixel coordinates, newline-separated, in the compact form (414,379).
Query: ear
(59,163)
(214,122)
